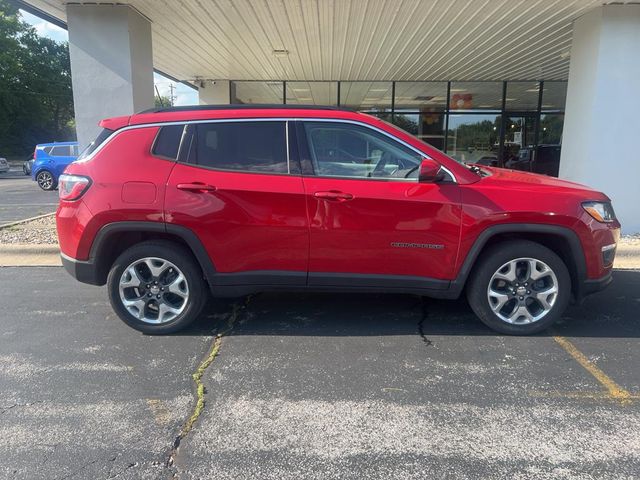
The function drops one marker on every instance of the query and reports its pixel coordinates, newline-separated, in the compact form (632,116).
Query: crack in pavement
(197,379)
(423,317)
(28,404)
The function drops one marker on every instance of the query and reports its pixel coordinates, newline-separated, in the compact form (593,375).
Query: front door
(235,187)
(371,222)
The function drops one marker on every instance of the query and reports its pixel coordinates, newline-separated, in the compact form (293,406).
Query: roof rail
(244,106)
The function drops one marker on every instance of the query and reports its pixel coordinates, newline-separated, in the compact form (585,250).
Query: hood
(538,182)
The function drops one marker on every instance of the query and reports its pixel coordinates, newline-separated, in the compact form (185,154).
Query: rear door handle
(334,195)
(197,187)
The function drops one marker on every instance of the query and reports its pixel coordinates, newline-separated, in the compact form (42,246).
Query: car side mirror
(430,171)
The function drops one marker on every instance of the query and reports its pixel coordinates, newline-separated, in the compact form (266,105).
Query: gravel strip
(40,231)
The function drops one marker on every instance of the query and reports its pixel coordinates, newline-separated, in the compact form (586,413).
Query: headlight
(601,211)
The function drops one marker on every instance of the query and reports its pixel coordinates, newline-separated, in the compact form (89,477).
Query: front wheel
(45,180)
(519,288)
(156,287)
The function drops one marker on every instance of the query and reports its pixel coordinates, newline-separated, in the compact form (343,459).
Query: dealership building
(489,81)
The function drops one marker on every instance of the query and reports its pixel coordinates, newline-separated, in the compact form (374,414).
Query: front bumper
(590,286)
(83,271)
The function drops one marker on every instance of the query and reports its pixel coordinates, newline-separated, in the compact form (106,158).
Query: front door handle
(334,195)
(197,187)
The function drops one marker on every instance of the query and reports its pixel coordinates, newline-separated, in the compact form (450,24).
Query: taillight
(72,187)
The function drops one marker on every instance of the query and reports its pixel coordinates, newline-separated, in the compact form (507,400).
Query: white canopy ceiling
(358,39)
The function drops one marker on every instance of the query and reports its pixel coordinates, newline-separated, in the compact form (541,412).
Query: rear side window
(102,136)
(259,147)
(168,141)
(61,151)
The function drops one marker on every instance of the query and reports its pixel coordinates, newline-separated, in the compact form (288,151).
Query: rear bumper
(83,271)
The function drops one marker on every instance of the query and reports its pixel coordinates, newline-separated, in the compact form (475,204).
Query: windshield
(102,136)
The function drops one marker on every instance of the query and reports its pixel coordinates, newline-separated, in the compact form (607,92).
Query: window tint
(241,146)
(102,136)
(61,151)
(168,141)
(346,150)
(47,149)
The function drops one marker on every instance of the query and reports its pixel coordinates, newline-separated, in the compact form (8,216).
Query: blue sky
(184,95)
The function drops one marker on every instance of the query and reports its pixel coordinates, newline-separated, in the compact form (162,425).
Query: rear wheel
(519,288)
(156,287)
(45,180)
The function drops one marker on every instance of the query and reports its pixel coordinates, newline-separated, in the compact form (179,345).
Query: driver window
(348,150)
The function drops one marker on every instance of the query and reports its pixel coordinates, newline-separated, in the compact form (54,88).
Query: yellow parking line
(614,390)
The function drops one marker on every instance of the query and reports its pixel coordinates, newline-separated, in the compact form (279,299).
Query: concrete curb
(38,255)
(30,249)
(26,220)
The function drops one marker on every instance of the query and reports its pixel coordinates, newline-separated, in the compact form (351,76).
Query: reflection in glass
(428,127)
(551,128)
(522,96)
(366,96)
(519,137)
(476,96)
(474,138)
(554,95)
(312,93)
(256,92)
(421,96)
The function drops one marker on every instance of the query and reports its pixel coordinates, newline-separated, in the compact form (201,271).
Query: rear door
(61,156)
(371,222)
(237,186)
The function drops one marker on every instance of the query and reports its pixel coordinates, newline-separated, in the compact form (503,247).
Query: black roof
(256,106)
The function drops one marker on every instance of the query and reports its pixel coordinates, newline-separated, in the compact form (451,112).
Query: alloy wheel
(522,291)
(45,180)
(153,290)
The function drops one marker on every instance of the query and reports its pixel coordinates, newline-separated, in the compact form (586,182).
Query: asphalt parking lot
(315,386)
(20,197)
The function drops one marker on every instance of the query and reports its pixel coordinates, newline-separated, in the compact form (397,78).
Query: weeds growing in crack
(197,378)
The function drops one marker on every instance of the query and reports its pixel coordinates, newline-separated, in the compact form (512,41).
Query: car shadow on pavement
(611,313)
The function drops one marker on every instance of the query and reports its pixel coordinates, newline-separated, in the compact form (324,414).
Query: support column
(214,92)
(111,64)
(600,141)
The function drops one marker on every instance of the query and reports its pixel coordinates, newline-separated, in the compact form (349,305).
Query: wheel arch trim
(487,234)
(184,233)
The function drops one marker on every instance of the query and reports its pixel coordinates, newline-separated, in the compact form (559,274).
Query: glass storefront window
(312,93)
(519,135)
(366,96)
(421,96)
(257,92)
(475,96)
(522,96)
(551,129)
(554,95)
(474,138)
(428,127)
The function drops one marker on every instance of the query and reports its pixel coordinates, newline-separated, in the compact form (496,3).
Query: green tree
(162,101)
(36,101)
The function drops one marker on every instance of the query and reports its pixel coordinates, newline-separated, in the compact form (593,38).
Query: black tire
(46,180)
(183,260)
(491,260)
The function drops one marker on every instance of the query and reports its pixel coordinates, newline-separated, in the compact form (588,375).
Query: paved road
(316,386)
(21,198)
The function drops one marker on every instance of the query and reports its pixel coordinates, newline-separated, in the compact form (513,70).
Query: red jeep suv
(170,204)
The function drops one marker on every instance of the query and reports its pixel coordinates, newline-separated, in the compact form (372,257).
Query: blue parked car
(50,160)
